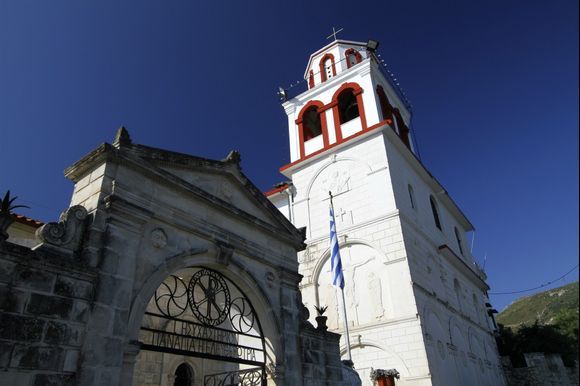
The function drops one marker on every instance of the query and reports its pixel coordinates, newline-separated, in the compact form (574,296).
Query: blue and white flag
(335,263)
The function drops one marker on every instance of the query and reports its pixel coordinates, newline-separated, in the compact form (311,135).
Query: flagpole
(341,290)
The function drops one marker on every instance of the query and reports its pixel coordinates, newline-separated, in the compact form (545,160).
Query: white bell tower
(415,298)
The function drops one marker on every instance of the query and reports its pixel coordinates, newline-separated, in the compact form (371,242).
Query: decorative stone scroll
(66,235)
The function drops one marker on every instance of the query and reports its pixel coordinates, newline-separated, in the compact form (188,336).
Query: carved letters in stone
(66,235)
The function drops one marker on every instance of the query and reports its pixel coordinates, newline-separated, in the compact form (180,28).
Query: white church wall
(396,275)
(403,175)
(355,170)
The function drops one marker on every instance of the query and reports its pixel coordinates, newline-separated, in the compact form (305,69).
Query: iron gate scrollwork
(201,313)
(246,377)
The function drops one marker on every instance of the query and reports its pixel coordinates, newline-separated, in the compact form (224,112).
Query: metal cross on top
(334,32)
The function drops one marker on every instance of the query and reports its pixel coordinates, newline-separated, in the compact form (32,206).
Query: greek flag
(335,263)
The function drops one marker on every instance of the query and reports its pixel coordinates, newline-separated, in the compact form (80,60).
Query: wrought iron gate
(247,377)
(200,313)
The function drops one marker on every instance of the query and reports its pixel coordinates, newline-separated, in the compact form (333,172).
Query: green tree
(548,339)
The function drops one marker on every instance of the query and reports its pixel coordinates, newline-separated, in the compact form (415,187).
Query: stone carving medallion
(336,182)
(158,238)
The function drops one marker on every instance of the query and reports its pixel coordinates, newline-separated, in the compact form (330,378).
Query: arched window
(183,375)
(353,57)
(476,308)
(347,106)
(457,288)
(411,196)
(458,238)
(327,68)
(311,126)
(435,211)
(311,79)
(386,108)
(403,129)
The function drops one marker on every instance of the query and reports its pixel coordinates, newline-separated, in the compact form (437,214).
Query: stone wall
(321,363)
(540,370)
(44,305)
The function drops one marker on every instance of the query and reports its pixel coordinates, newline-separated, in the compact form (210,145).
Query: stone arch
(366,291)
(441,363)
(455,326)
(431,316)
(403,369)
(177,361)
(200,257)
(476,345)
(326,255)
(341,175)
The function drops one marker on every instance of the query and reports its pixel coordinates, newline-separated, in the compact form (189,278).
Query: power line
(538,287)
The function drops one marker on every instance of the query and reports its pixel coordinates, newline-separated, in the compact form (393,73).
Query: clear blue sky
(494,85)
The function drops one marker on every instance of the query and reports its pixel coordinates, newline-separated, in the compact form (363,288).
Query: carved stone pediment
(66,235)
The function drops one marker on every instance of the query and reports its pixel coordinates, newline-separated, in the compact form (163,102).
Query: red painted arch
(357,55)
(323,70)
(357,91)
(319,105)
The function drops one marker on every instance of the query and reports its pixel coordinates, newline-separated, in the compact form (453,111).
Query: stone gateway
(167,269)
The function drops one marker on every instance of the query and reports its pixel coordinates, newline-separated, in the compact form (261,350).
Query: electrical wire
(538,287)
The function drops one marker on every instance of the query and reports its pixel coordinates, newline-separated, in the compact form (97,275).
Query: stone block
(35,357)
(113,352)
(113,291)
(12,300)
(58,333)
(102,316)
(80,312)
(120,322)
(21,328)
(15,379)
(54,380)
(5,353)
(49,306)
(71,359)
(26,277)
(6,270)
(74,288)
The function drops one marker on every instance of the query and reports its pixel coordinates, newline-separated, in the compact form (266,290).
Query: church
(415,298)
(175,270)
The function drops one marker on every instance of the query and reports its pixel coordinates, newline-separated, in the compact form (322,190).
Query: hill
(555,306)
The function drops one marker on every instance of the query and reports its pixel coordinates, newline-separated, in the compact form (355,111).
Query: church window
(327,68)
(312,126)
(458,238)
(386,108)
(411,196)
(435,211)
(183,375)
(458,290)
(476,308)
(403,129)
(347,106)
(353,57)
